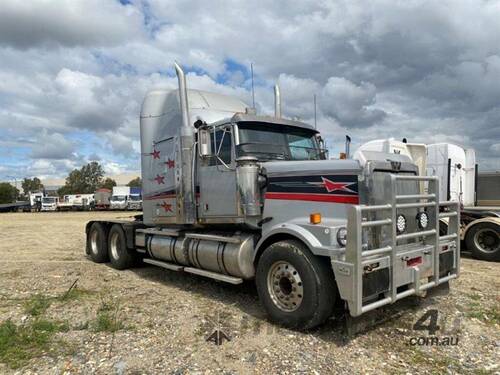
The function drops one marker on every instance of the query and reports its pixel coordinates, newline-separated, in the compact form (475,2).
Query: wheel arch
(286,232)
(489,219)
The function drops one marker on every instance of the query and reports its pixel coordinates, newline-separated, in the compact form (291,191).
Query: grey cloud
(66,23)
(350,104)
(52,146)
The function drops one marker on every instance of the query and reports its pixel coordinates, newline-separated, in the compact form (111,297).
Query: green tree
(108,183)
(8,193)
(136,182)
(85,180)
(32,185)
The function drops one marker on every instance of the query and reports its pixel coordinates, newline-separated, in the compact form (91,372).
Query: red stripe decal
(334,198)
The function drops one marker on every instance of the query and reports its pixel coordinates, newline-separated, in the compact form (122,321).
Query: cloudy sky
(73,73)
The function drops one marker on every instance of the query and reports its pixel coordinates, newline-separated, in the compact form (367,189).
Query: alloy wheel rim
(114,245)
(285,287)
(93,242)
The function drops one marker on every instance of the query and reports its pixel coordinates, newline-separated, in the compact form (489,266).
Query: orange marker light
(315,218)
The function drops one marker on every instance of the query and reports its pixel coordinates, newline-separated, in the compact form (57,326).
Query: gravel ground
(162,318)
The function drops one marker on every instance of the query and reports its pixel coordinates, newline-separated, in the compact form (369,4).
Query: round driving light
(401,223)
(422,220)
(342,237)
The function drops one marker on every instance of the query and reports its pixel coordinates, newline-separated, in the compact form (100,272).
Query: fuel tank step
(169,266)
(214,275)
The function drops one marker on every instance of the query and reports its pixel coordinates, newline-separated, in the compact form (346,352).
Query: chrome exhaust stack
(277,101)
(185,192)
(181,78)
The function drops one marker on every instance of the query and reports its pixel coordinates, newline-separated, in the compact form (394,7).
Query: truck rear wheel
(296,288)
(483,241)
(97,243)
(119,255)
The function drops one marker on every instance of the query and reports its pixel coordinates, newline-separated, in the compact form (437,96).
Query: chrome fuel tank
(228,255)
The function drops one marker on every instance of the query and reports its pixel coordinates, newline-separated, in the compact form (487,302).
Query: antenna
(253,92)
(315,120)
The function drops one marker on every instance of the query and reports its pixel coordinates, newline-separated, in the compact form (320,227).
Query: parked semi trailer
(235,196)
(457,171)
(101,199)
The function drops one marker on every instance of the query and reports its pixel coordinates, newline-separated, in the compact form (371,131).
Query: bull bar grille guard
(356,256)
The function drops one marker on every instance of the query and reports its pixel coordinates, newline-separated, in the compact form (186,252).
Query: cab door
(217,178)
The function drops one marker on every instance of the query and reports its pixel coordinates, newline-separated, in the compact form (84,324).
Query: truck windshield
(48,200)
(135,197)
(117,198)
(277,142)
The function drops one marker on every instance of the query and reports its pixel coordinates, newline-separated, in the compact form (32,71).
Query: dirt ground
(153,321)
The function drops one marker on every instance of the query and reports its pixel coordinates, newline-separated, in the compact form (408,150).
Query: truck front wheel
(483,241)
(296,288)
(97,243)
(119,255)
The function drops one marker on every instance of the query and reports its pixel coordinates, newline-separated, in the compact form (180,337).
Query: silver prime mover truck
(234,196)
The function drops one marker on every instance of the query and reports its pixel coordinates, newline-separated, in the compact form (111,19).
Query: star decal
(167,207)
(333,186)
(155,154)
(159,179)
(170,163)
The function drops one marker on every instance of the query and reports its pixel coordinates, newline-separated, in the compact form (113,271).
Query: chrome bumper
(370,278)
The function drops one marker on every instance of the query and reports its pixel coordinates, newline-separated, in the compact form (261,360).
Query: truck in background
(457,170)
(76,202)
(488,190)
(36,201)
(135,199)
(49,203)
(233,196)
(119,199)
(101,199)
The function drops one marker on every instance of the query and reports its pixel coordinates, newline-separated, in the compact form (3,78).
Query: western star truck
(457,171)
(234,196)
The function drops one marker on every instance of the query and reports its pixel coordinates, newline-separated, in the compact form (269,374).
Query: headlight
(401,223)
(342,237)
(422,220)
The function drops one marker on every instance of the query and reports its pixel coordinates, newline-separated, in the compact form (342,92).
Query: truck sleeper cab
(234,196)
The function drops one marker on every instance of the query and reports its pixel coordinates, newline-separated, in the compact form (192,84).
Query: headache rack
(358,256)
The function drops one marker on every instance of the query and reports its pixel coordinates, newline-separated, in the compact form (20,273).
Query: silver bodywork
(215,217)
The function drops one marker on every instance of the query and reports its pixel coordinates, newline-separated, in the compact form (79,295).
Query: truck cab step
(195,271)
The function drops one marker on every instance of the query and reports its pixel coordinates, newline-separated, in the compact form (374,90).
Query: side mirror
(204,143)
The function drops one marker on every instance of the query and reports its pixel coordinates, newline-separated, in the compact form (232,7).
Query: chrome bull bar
(349,273)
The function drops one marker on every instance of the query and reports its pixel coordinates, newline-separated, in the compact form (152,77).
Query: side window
(223,144)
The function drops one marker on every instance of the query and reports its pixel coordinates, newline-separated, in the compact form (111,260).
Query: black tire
(97,243)
(120,257)
(483,241)
(317,285)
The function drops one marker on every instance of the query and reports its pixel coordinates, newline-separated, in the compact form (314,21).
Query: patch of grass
(18,344)
(37,304)
(438,363)
(107,319)
(487,315)
(475,297)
